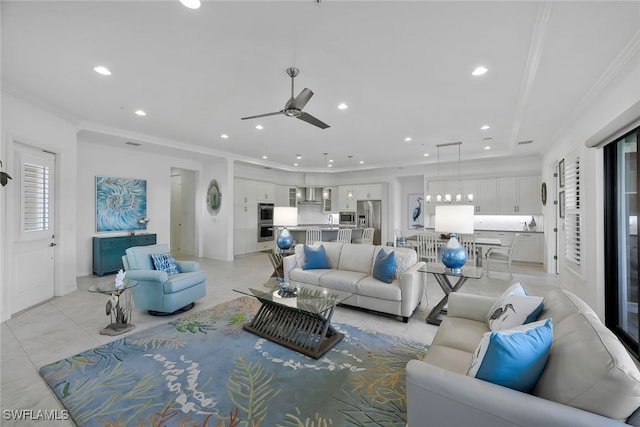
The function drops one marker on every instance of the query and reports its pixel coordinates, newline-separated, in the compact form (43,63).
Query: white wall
(615,97)
(103,160)
(217,230)
(26,123)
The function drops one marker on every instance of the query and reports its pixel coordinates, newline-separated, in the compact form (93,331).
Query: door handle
(52,244)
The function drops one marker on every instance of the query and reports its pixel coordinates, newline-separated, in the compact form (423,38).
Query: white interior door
(34,248)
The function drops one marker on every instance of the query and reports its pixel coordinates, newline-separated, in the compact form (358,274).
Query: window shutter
(35,208)
(573,219)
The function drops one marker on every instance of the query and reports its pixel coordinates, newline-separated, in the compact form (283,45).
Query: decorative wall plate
(543,194)
(213,198)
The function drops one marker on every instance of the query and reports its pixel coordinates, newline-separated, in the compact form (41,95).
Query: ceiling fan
(294,106)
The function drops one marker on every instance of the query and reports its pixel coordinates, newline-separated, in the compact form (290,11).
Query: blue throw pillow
(513,358)
(315,259)
(384,267)
(165,262)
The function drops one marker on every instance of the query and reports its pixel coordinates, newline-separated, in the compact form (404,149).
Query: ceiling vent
(529,141)
(135,144)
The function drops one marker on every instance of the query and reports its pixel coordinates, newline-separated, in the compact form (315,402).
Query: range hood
(311,195)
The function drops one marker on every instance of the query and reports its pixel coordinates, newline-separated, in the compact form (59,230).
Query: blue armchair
(158,292)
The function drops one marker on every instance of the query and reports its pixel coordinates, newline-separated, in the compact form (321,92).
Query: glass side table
(443,276)
(119,306)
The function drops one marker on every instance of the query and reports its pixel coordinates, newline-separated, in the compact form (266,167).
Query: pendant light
(447,198)
(325,190)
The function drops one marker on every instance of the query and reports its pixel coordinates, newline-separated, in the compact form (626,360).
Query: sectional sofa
(589,379)
(351,270)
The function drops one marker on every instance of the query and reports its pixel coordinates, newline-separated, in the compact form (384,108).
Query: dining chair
(367,237)
(503,254)
(313,236)
(427,247)
(344,235)
(469,243)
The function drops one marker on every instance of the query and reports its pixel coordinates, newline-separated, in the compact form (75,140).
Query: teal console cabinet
(108,251)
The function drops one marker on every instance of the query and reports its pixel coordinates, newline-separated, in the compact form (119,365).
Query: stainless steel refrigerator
(370,216)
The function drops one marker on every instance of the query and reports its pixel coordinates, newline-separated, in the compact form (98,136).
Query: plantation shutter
(35,191)
(573,219)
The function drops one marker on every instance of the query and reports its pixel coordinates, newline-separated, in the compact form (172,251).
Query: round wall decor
(213,198)
(543,194)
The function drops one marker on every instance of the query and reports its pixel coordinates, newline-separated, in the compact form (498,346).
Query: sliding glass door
(621,238)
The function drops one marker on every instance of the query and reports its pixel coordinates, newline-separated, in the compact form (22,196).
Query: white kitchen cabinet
(528,248)
(369,192)
(486,197)
(245,241)
(518,195)
(244,191)
(282,195)
(245,216)
(329,205)
(265,192)
(347,198)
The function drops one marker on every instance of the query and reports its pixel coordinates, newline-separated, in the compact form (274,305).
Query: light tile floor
(67,325)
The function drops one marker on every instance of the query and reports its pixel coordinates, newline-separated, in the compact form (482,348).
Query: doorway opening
(183,211)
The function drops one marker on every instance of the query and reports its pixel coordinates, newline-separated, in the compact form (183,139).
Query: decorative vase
(285,240)
(453,254)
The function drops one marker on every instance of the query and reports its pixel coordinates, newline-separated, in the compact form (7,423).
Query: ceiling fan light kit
(294,106)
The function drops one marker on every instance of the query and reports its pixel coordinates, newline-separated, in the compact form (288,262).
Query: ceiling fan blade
(306,117)
(263,115)
(301,100)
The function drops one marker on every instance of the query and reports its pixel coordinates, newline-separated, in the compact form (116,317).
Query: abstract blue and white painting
(121,204)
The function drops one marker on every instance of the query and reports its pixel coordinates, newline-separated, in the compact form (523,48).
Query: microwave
(347,218)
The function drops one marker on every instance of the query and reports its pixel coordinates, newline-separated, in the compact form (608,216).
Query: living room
(86,147)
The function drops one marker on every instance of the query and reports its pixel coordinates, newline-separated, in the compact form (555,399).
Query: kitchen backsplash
(312,214)
(501,222)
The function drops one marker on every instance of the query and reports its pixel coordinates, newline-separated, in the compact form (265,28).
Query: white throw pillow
(405,259)
(514,310)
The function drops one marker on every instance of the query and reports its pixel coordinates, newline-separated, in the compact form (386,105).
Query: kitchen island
(329,232)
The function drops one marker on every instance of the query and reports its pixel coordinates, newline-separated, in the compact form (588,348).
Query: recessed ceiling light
(191,4)
(295,164)
(265,157)
(330,160)
(259,127)
(362,162)
(408,139)
(224,136)
(487,148)
(426,154)
(330,166)
(298,156)
(479,71)
(485,127)
(343,106)
(102,70)
(141,113)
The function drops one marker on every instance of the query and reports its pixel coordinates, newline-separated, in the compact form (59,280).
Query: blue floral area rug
(205,370)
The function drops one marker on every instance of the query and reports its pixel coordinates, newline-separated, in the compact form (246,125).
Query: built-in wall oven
(265,222)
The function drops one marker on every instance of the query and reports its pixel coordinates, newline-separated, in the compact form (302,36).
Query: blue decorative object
(165,262)
(384,267)
(513,358)
(285,240)
(315,259)
(453,255)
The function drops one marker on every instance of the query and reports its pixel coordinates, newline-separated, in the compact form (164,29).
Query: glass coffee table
(301,322)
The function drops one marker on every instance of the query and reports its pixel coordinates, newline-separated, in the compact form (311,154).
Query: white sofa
(589,378)
(351,271)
